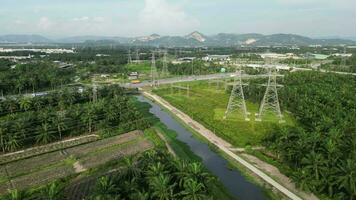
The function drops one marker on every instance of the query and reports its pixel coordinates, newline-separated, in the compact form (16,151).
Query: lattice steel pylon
(343,59)
(165,64)
(154,74)
(129,60)
(270,101)
(237,97)
(137,55)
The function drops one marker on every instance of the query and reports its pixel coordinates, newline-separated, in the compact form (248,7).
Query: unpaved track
(220,143)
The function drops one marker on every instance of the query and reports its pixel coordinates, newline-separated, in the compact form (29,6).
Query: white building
(210,58)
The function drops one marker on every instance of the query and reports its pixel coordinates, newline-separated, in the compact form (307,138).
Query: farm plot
(118,151)
(31,165)
(85,149)
(46,148)
(42,177)
(45,168)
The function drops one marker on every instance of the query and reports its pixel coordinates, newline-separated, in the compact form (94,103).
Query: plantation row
(109,115)
(31,77)
(61,98)
(321,150)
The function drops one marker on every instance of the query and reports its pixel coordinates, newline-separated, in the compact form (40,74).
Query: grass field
(207,104)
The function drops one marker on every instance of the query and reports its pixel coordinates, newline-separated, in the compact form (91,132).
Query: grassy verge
(211,113)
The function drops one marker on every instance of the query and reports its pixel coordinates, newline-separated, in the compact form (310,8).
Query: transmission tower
(129,57)
(95,91)
(165,64)
(237,97)
(137,56)
(343,59)
(154,75)
(270,101)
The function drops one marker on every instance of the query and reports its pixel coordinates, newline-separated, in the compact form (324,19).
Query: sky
(63,18)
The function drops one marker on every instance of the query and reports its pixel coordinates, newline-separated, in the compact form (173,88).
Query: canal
(233,180)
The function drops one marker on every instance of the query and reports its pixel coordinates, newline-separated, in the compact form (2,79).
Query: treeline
(194,68)
(52,117)
(321,150)
(347,65)
(34,76)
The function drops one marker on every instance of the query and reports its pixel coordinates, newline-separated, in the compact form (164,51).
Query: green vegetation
(31,77)
(208,104)
(194,68)
(322,150)
(316,148)
(41,120)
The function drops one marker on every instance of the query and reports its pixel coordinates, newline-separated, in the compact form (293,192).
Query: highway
(191,78)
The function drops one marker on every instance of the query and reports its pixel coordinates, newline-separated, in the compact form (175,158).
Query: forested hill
(322,149)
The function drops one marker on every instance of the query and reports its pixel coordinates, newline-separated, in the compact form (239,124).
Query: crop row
(4,187)
(82,150)
(46,148)
(42,177)
(33,164)
(115,153)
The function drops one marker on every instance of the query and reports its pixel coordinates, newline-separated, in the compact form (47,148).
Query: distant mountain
(81,39)
(24,39)
(194,39)
(196,36)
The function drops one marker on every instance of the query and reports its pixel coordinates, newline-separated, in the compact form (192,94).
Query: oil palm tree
(197,172)
(105,187)
(161,187)
(53,191)
(11,143)
(156,169)
(25,103)
(140,195)
(347,178)
(193,190)
(45,136)
(131,170)
(59,121)
(2,137)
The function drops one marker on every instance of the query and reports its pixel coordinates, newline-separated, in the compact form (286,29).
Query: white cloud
(84,18)
(44,24)
(19,22)
(159,16)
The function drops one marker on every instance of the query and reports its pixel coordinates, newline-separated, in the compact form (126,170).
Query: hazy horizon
(57,19)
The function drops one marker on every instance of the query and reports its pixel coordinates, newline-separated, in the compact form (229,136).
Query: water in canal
(235,183)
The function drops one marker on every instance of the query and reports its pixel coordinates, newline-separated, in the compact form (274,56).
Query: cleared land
(47,167)
(207,104)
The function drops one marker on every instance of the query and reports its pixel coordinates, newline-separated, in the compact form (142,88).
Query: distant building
(133,76)
(315,56)
(210,58)
(278,56)
(342,54)
(184,60)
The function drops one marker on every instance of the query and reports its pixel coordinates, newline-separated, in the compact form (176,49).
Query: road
(220,143)
(294,69)
(191,78)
